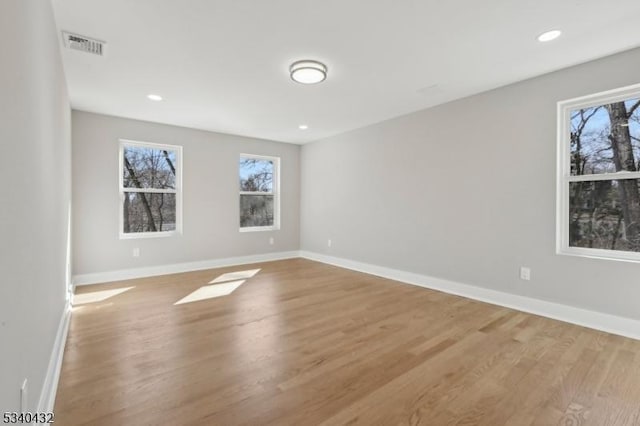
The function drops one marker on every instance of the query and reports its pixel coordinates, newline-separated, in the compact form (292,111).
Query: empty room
(243,212)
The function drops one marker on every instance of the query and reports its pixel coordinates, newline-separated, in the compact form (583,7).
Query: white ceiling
(222,65)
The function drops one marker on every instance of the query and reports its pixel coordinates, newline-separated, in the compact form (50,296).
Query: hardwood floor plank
(302,342)
(617,394)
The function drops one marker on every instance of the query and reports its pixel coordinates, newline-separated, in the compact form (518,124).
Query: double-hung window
(259,193)
(150,189)
(599,175)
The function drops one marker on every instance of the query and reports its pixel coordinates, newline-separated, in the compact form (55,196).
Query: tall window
(259,193)
(150,189)
(599,175)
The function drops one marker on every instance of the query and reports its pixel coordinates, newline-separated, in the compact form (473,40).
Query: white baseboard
(50,385)
(150,271)
(597,320)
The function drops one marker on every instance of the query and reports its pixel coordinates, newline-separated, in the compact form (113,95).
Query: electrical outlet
(136,252)
(525,273)
(23,397)
(328,243)
(271,241)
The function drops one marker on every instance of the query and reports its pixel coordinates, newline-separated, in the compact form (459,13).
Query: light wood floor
(302,343)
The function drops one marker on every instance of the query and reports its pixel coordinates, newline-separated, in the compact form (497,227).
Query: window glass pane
(605,138)
(145,167)
(256,175)
(605,214)
(256,210)
(149,212)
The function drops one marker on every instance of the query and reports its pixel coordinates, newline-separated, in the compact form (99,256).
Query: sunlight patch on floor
(97,296)
(238,275)
(211,291)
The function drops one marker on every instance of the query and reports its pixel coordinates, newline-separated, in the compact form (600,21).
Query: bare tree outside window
(604,192)
(149,188)
(258,184)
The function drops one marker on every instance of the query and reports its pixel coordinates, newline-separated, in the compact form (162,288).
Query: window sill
(138,235)
(619,256)
(259,228)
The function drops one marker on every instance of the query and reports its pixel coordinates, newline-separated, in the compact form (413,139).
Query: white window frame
(275,192)
(564,177)
(177,191)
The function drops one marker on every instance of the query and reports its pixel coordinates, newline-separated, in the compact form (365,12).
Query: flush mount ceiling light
(303,127)
(549,35)
(153,97)
(308,71)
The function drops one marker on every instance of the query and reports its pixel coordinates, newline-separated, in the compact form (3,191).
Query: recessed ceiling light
(303,127)
(308,71)
(549,35)
(153,97)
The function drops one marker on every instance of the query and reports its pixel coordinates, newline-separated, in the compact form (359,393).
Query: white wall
(34,212)
(210,197)
(466,192)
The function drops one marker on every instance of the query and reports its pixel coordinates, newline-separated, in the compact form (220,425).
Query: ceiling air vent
(84,44)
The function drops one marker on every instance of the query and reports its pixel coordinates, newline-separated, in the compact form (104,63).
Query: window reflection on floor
(238,275)
(222,285)
(97,296)
(211,291)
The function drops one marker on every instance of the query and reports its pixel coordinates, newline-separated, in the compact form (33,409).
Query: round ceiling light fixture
(156,98)
(549,35)
(308,71)
(303,127)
